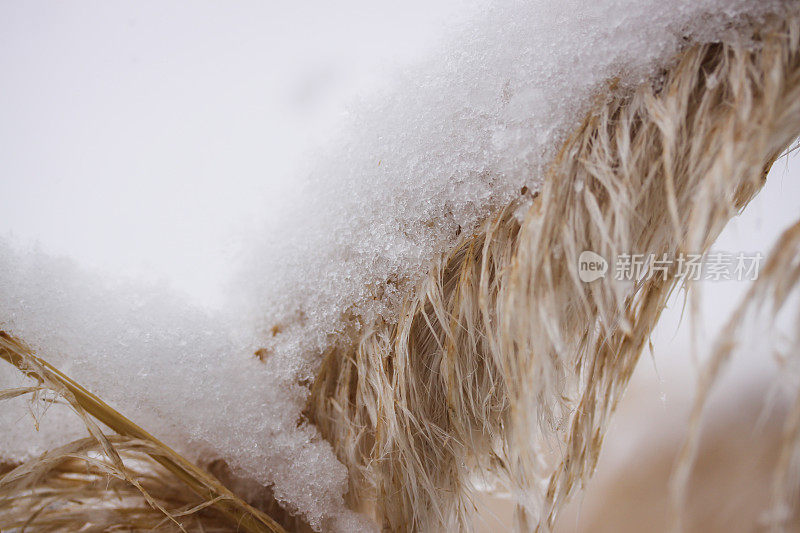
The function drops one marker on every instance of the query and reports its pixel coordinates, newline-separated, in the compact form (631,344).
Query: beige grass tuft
(504,366)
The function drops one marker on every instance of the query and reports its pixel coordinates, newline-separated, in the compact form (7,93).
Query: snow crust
(453,141)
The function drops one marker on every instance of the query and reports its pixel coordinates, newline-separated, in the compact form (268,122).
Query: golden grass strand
(766,297)
(88,405)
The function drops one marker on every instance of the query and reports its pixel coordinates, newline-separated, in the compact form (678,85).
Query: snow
(450,143)
(187,376)
(446,144)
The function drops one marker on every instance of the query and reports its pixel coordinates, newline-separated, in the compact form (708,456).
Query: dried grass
(128,481)
(504,366)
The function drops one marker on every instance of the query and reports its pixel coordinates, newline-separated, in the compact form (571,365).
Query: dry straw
(56,490)
(504,367)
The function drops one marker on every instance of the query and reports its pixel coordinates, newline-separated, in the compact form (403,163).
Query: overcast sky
(144,137)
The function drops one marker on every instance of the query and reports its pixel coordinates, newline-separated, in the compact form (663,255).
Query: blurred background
(148,139)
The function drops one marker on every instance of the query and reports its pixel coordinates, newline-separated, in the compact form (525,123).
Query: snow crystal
(451,143)
(189,377)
